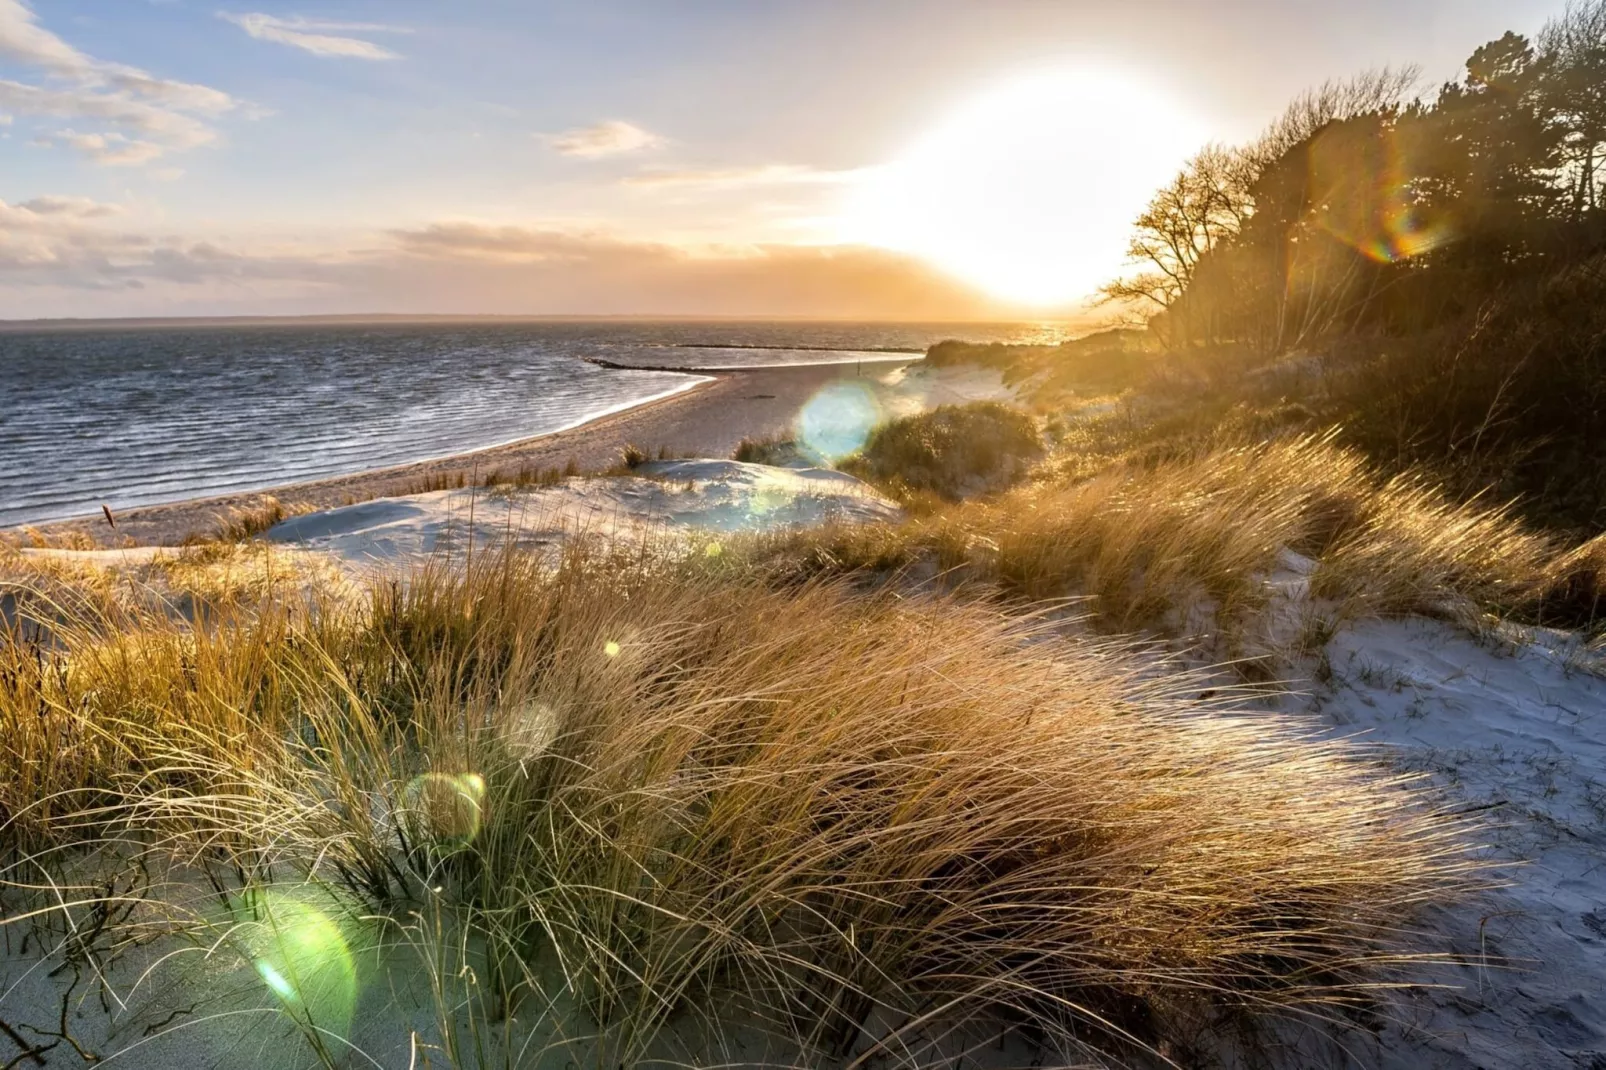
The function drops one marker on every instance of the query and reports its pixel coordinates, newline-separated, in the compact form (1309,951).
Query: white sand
(689,499)
(1511,727)
(1518,734)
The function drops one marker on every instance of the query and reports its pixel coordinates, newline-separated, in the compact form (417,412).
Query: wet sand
(709,420)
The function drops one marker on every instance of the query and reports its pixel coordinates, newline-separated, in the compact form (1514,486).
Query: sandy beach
(708,420)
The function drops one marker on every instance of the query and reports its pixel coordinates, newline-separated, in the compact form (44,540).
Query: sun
(1028,191)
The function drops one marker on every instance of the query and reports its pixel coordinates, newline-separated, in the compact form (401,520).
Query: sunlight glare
(302,956)
(837,420)
(1029,190)
(446,809)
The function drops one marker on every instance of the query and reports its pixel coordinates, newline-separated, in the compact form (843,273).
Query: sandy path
(709,420)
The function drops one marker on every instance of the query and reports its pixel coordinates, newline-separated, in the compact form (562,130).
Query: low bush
(1507,397)
(1104,362)
(950,451)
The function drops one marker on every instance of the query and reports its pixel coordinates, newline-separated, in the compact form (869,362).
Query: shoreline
(706,419)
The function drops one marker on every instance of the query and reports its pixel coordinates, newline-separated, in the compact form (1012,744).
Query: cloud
(60,242)
(50,260)
(774,174)
(69,207)
(611,138)
(184,95)
(320,38)
(51,213)
(168,114)
(174,128)
(110,150)
(24,40)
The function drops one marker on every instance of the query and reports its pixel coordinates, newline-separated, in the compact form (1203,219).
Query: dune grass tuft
(671,790)
(1154,543)
(247,522)
(771,450)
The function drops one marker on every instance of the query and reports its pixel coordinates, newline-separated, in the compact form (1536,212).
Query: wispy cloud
(24,40)
(53,213)
(69,207)
(166,114)
(327,39)
(53,250)
(111,150)
(775,174)
(614,137)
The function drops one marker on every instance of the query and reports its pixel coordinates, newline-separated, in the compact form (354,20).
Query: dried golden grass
(772,449)
(1154,543)
(248,521)
(1573,587)
(181,580)
(700,790)
(1413,549)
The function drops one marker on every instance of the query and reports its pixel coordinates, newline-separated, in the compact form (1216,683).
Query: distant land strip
(800,349)
(619,365)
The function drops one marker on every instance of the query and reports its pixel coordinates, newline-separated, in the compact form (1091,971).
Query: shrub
(951,450)
(1506,397)
(1103,362)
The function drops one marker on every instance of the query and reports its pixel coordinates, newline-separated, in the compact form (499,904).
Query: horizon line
(357,318)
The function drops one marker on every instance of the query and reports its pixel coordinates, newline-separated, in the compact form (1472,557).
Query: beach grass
(677,790)
(1150,540)
(868,792)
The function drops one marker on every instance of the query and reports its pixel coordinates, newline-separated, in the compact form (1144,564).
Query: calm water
(142,416)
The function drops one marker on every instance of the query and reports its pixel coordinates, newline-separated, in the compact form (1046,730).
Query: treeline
(1448,252)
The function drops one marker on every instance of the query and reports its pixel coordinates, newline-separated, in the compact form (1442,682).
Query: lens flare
(302,956)
(445,809)
(611,649)
(769,496)
(531,730)
(838,420)
(1363,196)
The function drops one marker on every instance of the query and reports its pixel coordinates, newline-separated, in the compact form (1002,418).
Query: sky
(847,159)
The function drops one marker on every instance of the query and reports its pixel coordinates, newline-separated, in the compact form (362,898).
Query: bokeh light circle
(838,419)
(444,808)
(302,955)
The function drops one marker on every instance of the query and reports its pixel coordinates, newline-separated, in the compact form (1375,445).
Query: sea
(139,415)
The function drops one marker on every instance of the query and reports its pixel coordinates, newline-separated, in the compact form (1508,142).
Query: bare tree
(1203,206)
